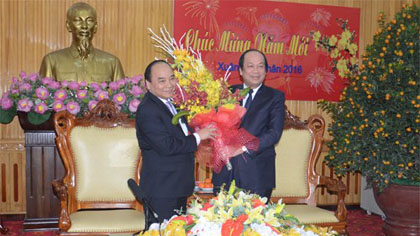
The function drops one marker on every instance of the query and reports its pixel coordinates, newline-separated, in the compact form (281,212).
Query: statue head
(81,23)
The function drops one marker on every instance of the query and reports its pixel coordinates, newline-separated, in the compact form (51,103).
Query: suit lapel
(159,103)
(256,102)
(164,108)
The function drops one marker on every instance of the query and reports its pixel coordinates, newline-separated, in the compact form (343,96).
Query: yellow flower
(335,53)
(342,67)
(353,49)
(346,35)
(250,232)
(255,215)
(342,44)
(229,106)
(316,36)
(354,60)
(332,41)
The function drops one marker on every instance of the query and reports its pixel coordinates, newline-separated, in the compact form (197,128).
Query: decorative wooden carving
(316,125)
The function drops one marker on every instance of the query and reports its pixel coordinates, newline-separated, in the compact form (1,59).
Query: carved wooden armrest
(60,189)
(339,187)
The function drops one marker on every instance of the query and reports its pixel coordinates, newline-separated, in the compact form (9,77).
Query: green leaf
(175,119)
(244,92)
(37,119)
(6,116)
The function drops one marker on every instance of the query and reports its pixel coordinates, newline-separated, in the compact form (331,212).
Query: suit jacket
(265,120)
(168,155)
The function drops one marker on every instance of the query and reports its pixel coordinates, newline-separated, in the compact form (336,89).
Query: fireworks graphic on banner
(321,16)
(248,13)
(320,77)
(205,10)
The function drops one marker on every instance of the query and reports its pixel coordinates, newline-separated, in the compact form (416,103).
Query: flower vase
(401,205)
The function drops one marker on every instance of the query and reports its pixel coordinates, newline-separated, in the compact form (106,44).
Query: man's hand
(209,132)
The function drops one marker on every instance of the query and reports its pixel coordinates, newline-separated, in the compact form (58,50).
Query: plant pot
(26,125)
(401,205)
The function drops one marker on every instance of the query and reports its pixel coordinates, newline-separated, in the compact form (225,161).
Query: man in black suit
(167,173)
(264,118)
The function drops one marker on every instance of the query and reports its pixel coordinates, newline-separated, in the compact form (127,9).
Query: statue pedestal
(43,165)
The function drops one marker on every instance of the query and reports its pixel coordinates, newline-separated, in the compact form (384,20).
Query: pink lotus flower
(73,85)
(113,86)
(54,85)
(25,105)
(136,79)
(92,104)
(41,108)
(119,98)
(81,94)
(60,95)
(6,103)
(58,106)
(133,105)
(83,84)
(22,74)
(101,95)
(64,83)
(33,77)
(42,93)
(46,80)
(104,85)
(136,91)
(25,87)
(121,82)
(73,107)
(95,86)
(15,82)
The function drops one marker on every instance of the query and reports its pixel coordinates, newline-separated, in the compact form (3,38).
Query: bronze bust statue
(81,61)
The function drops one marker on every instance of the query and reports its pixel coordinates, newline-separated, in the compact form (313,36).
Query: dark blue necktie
(249,100)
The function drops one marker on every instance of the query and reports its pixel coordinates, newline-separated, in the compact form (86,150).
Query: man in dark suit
(264,118)
(167,173)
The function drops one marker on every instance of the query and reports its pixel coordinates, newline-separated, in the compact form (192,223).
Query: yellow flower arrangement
(235,213)
(198,91)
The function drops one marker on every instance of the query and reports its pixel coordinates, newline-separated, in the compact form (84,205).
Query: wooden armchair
(100,153)
(296,178)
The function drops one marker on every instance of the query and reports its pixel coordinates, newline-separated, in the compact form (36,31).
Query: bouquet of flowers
(39,97)
(235,213)
(206,100)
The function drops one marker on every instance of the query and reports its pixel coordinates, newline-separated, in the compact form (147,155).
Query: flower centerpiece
(206,100)
(375,128)
(39,97)
(235,213)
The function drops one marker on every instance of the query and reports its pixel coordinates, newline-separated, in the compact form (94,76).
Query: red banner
(222,29)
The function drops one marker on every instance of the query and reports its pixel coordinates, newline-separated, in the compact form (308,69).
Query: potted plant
(376,122)
(34,99)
